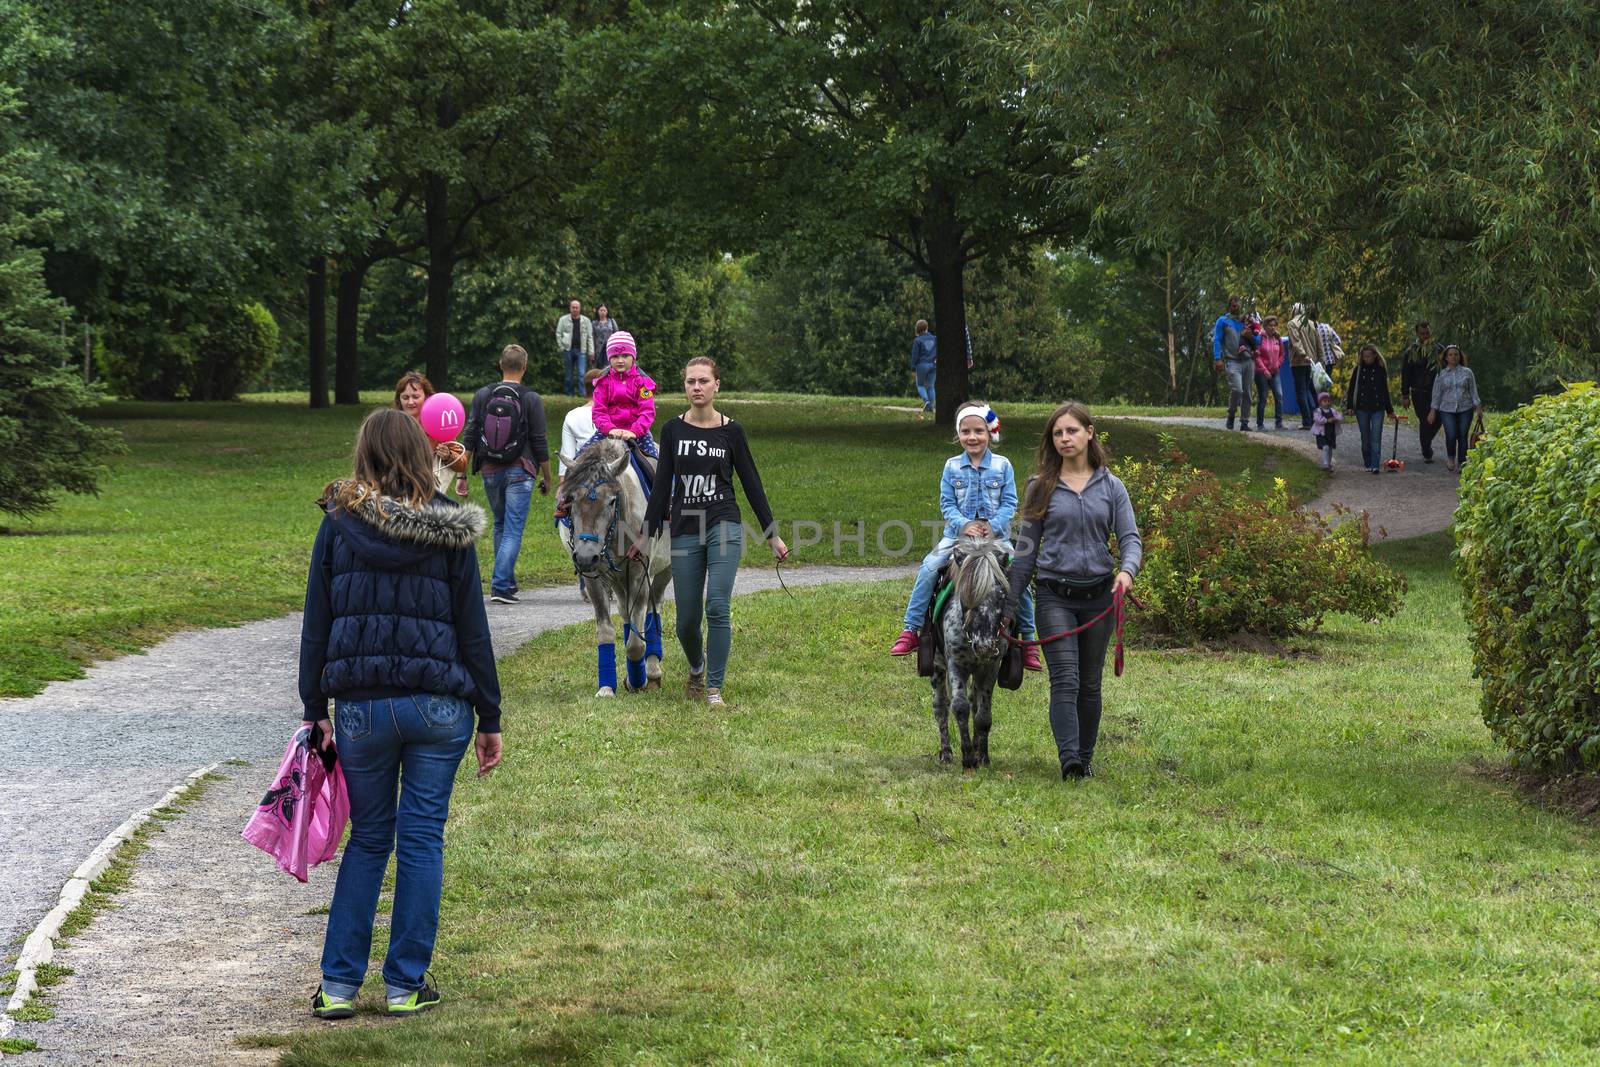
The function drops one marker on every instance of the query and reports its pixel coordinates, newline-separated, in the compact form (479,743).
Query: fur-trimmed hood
(391,534)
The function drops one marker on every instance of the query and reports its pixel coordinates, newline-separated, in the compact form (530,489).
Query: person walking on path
(1454,401)
(1227,338)
(603,327)
(1329,345)
(925,362)
(449,457)
(1268,360)
(506,437)
(1302,346)
(701,450)
(1072,507)
(1325,419)
(577,429)
(625,397)
(575,338)
(1419,366)
(1368,397)
(978,498)
(394,634)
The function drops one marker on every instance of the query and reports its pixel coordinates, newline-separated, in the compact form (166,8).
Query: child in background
(1325,424)
(978,497)
(624,399)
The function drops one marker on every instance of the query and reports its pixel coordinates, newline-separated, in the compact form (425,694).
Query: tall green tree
(1449,146)
(46,446)
(735,125)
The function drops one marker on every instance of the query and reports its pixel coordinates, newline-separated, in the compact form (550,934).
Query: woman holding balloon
(442,423)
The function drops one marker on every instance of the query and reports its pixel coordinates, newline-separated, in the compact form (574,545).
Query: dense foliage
(1221,562)
(46,447)
(1528,555)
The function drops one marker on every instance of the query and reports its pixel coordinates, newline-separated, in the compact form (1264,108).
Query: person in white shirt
(576,431)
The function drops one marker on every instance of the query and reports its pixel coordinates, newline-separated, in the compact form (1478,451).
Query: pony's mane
(978,569)
(595,461)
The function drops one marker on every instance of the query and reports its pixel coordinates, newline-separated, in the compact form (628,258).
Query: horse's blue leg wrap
(652,634)
(636,675)
(608,665)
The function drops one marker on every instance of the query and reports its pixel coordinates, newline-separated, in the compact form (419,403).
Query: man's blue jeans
(413,743)
(510,493)
(1305,398)
(1370,423)
(922,591)
(573,362)
(925,378)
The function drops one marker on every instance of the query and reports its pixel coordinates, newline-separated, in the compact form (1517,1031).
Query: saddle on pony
(932,634)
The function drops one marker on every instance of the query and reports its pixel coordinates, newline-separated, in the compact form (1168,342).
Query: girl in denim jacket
(978,495)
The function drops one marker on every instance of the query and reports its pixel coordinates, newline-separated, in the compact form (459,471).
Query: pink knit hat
(622,342)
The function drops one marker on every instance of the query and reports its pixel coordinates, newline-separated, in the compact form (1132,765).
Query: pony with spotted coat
(604,534)
(967,662)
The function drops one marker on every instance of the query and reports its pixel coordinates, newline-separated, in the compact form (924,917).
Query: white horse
(606,503)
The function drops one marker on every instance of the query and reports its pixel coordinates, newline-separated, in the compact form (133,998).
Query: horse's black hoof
(946,756)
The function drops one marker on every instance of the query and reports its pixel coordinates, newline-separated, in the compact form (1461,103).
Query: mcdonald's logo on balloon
(442,417)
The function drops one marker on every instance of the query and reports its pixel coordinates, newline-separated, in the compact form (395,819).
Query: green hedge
(1528,555)
(1221,561)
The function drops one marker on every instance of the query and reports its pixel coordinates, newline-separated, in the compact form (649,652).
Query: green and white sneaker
(326,1007)
(415,1003)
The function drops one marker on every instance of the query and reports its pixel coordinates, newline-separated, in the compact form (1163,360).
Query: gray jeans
(1241,372)
(703,570)
(1076,665)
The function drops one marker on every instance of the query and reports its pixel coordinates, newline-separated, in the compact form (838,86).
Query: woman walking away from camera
(1455,399)
(395,634)
(1072,506)
(449,457)
(700,452)
(1368,397)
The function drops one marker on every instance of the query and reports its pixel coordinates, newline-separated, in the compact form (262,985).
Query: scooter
(1394,462)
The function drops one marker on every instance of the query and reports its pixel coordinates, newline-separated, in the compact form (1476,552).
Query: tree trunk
(947,276)
(317,329)
(347,332)
(441,276)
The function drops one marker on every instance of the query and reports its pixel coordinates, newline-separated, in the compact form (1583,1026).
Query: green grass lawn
(208,518)
(1281,859)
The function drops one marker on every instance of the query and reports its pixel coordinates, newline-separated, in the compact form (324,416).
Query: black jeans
(1076,666)
(1425,431)
(1305,400)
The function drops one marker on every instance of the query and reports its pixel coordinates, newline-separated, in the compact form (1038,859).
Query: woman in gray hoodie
(1072,506)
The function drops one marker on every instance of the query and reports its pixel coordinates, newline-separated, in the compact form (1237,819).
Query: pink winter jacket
(1269,356)
(625,402)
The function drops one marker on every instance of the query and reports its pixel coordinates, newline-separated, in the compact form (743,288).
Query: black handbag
(1010,676)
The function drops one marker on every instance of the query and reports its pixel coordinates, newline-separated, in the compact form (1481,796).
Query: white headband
(984,412)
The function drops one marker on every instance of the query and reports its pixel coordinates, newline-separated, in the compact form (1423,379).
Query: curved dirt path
(85,753)
(1418,500)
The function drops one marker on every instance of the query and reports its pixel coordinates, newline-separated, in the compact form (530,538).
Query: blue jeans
(510,493)
(922,591)
(925,377)
(702,581)
(1370,423)
(413,744)
(1305,398)
(573,366)
(1457,432)
(1268,384)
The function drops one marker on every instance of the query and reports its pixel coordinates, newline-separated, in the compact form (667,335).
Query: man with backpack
(506,437)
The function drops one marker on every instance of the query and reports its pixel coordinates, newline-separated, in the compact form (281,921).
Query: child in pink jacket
(624,399)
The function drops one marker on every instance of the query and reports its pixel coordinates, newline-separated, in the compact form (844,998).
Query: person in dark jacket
(1070,510)
(396,635)
(1419,366)
(925,363)
(1368,397)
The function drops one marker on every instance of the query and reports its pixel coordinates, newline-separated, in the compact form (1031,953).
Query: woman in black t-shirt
(700,451)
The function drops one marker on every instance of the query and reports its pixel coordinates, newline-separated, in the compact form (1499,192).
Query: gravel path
(1418,500)
(83,755)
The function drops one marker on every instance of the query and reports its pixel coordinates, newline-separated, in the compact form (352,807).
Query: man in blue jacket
(1226,338)
(924,362)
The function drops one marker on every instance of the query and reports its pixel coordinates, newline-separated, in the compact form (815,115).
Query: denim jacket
(987,492)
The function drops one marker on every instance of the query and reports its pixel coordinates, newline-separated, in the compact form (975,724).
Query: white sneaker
(714,698)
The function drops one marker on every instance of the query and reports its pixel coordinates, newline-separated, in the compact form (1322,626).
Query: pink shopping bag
(301,820)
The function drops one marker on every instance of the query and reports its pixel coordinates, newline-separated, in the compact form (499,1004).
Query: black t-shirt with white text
(694,475)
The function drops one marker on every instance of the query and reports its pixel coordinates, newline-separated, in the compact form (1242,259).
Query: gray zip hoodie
(1071,542)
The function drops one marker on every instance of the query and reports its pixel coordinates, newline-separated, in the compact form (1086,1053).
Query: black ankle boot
(1071,768)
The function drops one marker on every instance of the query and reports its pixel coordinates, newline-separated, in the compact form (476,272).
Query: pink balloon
(443,417)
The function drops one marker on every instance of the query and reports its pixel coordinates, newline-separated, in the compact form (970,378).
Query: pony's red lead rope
(1117,608)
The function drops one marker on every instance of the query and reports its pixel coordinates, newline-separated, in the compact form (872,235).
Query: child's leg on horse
(922,596)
